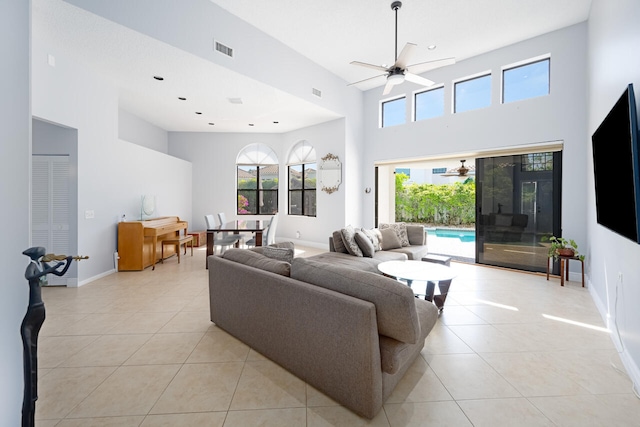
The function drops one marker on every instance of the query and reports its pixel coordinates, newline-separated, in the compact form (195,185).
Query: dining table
(237,226)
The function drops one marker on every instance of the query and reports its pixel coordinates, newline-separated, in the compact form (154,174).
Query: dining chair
(252,242)
(271,232)
(224,240)
(222,217)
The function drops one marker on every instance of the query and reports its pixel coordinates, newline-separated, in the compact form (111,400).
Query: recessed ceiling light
(275,123)
(158,78)
(235,100)
(198,112)
(182,98)
(211,124)
(431,47)
(251,124)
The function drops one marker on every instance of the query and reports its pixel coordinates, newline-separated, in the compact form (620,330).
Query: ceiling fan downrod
(395,6)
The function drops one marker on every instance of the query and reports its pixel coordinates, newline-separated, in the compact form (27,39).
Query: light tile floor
(138,349)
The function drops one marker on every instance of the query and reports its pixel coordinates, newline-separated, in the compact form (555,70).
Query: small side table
(564,268)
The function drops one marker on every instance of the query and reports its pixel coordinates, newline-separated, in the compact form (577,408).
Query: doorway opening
(497,214)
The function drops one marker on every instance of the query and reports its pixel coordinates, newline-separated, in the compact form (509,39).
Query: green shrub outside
(436,204)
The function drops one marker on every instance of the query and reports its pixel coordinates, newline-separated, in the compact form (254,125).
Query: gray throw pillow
(400,229)
(281,254)
(338,243)
(364,244)
(390,239)
(348,236)
(375,237)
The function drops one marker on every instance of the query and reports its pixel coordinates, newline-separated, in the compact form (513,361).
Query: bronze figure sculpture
(35,273)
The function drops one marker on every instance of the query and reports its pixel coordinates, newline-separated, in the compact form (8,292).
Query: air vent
(316,92)
(225,50)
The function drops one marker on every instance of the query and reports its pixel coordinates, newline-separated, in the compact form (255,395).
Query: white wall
(213,156)
(15,160)
(134,129)
(614,62)
(112,174)
(561,115)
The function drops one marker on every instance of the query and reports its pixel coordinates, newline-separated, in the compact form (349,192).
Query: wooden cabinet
(140,242)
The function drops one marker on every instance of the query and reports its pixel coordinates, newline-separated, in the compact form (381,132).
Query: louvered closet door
(50,205)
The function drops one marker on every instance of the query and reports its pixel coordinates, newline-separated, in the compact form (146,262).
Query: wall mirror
(330,173)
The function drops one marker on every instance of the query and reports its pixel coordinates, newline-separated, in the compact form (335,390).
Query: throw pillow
(338,243)
(348,236)
(390,239)
(281,254)
(400,229)
(374,236)
(364,244)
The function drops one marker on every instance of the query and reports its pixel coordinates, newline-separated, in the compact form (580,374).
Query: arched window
(257,178)
(302,171)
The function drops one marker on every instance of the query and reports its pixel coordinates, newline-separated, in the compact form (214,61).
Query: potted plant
(562,247)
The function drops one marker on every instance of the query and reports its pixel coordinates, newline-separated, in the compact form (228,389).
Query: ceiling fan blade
(387,88)
(410,77)
(366,80)
(403,58)
(364,64)
(430,65)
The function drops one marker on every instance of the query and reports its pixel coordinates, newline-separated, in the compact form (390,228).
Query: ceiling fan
(400,71)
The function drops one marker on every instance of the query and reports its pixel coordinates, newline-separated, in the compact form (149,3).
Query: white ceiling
(331,33)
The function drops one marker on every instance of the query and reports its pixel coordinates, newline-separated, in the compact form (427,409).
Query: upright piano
(140,242)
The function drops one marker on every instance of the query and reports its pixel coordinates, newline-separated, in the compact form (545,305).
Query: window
(257,180)
(302,173)
(526,81)
(472,94)
(537,162)
(393,112)
(429,104)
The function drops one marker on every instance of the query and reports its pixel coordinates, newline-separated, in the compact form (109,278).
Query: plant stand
(564,268)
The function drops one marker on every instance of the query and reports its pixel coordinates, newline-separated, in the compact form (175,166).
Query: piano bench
(178,241)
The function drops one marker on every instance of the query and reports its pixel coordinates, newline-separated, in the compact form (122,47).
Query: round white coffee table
(428,273)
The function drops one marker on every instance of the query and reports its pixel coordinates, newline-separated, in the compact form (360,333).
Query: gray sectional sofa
(349,333)
(412,245)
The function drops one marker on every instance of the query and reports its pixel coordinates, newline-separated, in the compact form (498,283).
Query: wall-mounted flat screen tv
(616,150)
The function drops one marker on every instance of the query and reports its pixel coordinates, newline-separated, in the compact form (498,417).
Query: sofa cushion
(412,252)
(395,354)
(338,243)
(365,244)
(349,239)
(390,239)
(346,260)
(400,229)
(416,234)
(282,254)
(260,249)
(257,260)
(396,312)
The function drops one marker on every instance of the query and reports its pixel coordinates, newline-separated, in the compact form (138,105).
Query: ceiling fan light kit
(400,71)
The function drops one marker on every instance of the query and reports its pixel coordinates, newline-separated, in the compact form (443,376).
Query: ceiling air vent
(316,92)
(225,50)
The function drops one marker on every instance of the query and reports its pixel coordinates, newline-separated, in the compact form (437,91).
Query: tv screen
(617,169)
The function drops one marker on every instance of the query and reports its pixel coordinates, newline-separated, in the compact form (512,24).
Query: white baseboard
(96,277)
(629,364)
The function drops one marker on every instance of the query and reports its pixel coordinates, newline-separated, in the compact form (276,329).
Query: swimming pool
(463,235)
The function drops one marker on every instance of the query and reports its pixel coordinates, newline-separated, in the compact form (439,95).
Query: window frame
(524,63)
(303,191)
(257,190)
(486,73)
(414,106)
(389,100)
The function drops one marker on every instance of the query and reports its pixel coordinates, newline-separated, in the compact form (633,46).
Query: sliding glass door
(517,204)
